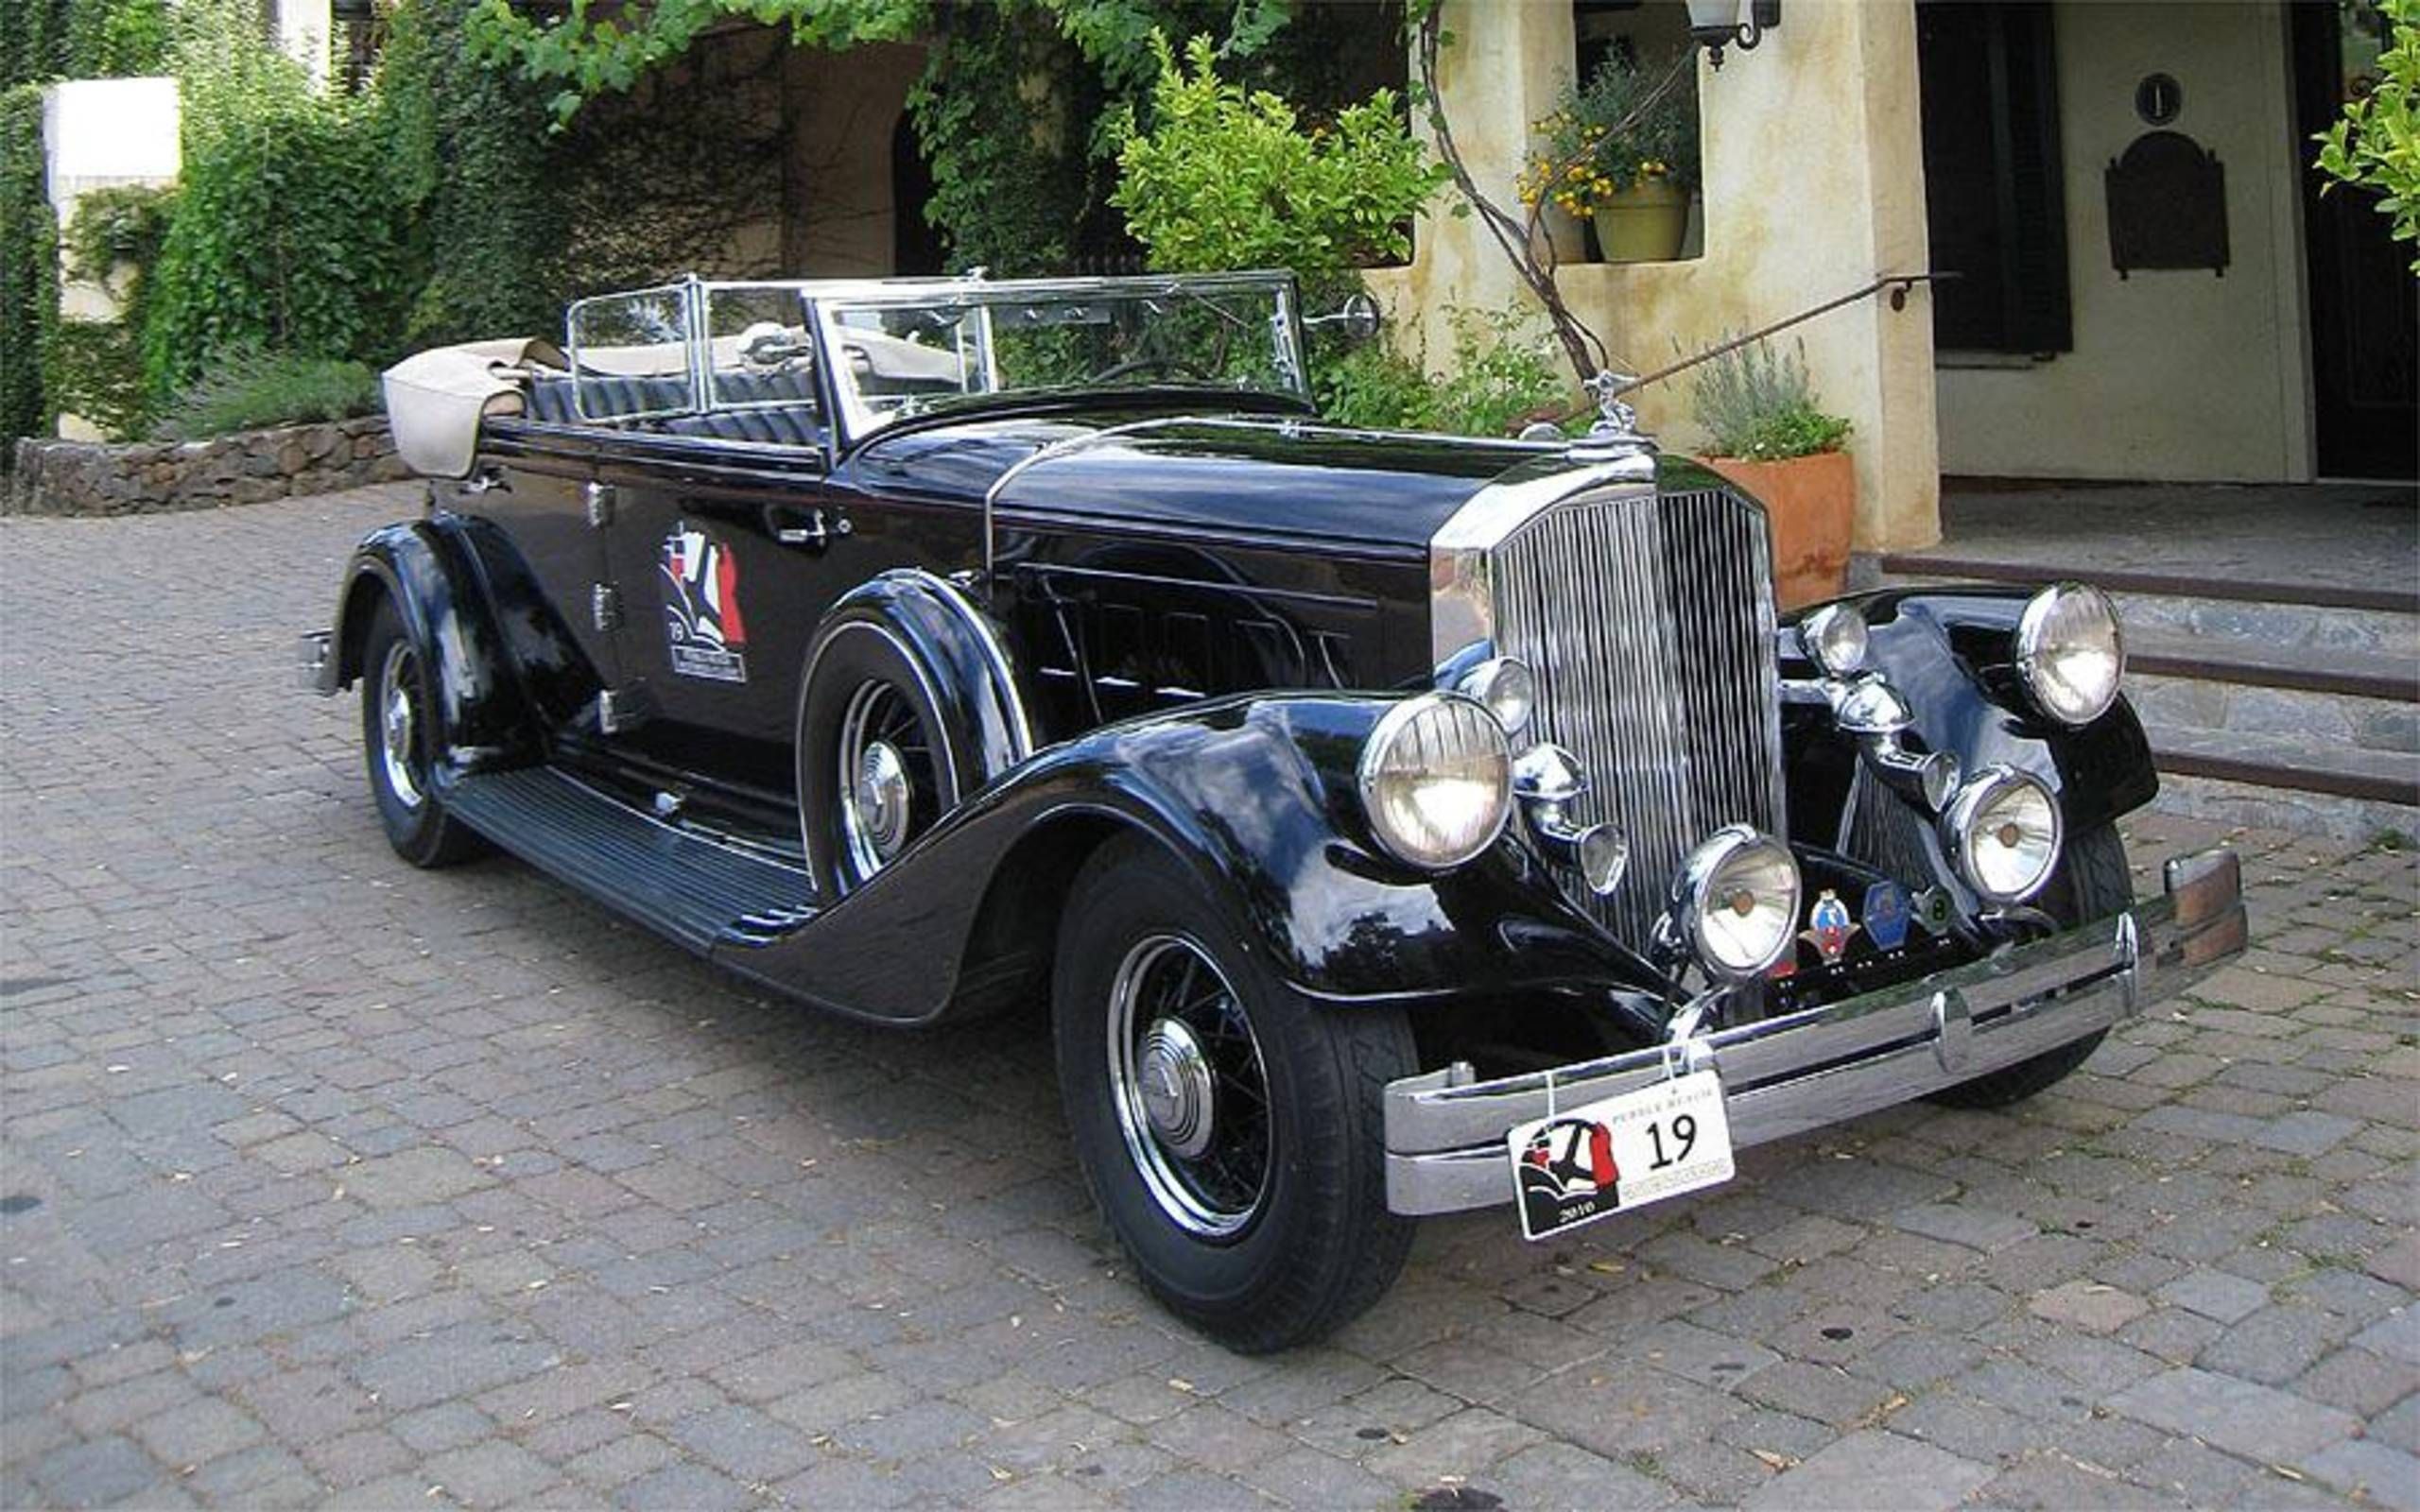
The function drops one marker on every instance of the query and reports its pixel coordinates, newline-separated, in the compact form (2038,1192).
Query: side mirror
(1357,318)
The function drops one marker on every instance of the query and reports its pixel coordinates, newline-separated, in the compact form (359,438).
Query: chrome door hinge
(617,711)
(601,506)
(605,607)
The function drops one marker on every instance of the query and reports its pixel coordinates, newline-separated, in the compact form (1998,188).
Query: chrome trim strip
(1068,446)
(1445,1134)
(1461,606)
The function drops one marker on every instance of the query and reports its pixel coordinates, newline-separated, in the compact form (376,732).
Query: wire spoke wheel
(398,724)
(889,787)
(1190,1087)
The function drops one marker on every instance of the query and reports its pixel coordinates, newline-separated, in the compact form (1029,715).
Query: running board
(683,884)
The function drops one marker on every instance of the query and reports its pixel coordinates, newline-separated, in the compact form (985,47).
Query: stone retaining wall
(156,478)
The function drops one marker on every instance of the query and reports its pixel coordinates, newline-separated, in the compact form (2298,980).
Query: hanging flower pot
(1645,223)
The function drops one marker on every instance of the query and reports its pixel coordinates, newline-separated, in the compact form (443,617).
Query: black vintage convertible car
(1394,824)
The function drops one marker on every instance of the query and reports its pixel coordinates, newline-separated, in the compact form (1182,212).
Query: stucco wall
(843,107)
(2175,374)
(102,134)
(1813,188)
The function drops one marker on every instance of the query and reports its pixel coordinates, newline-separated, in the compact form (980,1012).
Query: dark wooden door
(2364,301)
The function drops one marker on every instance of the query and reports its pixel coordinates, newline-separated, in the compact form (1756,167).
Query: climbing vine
(1015,114)
(28,270)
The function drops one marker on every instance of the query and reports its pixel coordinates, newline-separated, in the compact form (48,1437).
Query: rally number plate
(1598,1159)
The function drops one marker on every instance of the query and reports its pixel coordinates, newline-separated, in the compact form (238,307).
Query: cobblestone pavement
(330,1181)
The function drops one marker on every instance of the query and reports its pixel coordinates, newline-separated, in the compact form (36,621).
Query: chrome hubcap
(1176,1088)
(1189,1088)
(881,798)
(398,725)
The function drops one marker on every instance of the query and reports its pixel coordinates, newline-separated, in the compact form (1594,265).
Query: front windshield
(899,355)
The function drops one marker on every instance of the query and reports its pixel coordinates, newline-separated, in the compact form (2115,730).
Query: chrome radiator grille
(1649,619)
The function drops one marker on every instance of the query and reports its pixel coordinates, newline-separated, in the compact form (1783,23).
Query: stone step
(2371,626)
(2208,686)
(2303,764)
(2155,652)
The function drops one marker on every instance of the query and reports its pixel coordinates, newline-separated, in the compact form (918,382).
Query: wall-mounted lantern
(1715,24)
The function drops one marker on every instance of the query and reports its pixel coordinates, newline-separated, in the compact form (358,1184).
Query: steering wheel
(1165,365)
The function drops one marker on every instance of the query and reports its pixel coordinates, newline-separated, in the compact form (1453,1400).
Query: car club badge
(702,607)
(1568,1176)
(1886,915)
(1934,911)
(1829,928)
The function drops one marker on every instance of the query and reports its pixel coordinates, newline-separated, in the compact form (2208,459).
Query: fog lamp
(2003,830)
(1737,899)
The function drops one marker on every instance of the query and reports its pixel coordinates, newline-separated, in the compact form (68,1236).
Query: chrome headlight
(1436,781)
(1834,638)
(2070,653)
(1737,899)
(2003,830)
(1506,686)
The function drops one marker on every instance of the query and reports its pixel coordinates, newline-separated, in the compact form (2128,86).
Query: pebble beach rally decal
(702,607)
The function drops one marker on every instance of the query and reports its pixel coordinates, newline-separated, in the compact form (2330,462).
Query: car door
(726,545)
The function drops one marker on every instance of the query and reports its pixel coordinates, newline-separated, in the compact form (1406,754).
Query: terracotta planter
(1643,225)
(1812,503)
(1562,232)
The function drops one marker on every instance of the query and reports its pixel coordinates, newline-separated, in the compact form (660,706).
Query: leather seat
(786,426)
(786,413)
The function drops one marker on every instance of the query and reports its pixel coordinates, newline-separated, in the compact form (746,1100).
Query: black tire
(393,666)
(857,657)
(1315,1244)
(2091,883)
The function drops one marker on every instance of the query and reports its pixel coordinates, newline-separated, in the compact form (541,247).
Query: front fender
(1951,654)
(1256,794)
(433,582)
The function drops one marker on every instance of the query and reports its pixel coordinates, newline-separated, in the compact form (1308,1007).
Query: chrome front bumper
(1445,1130)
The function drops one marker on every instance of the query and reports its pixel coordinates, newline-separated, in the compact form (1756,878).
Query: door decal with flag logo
(702,607)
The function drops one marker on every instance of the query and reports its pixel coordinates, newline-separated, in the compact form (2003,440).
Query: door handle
(806,528)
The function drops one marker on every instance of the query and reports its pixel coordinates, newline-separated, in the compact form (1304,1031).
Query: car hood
(1277,476)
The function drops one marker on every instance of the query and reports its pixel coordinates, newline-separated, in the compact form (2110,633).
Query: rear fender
(973,675)
(1255,795)
(430,574)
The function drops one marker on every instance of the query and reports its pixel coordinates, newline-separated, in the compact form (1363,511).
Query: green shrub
(1228,178)
(1501,375)
(1759,404)
(94,368)
(1374,386)
(2377,145)
(117,39)
(28,271)
(287,235)
(249,390)
(475,179)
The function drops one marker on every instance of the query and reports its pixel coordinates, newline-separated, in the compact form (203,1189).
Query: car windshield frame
(978,340)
